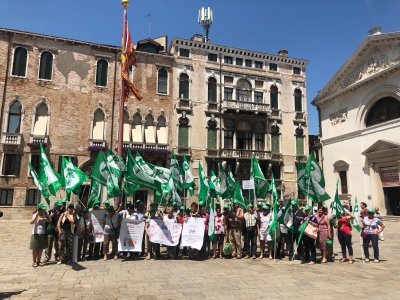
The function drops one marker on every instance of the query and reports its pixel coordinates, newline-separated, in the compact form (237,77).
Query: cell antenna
(149,19)
(206,20)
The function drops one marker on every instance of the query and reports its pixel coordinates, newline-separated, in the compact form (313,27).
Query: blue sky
(323,32)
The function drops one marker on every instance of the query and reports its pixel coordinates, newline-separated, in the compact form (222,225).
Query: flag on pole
(159,172)
(310,186)
(274,230)
(128,58)
(100,171)
(223,182)
(238,196)
(129,187)
(215,188)
(189,179)
(39,185)
(314,170)
(115,172)
(95,194)
(169,193)
(176,172)
(336,206)
(356,220)
(203,185)
(71,176)
(286,218)
(47,175)
(260,183)
(211,224)
(302,228)
(231,184)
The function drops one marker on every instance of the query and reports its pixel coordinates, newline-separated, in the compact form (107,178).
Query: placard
(390,176)
(165,232)
(193,233)
(248,184)
(97,218)
(131,235)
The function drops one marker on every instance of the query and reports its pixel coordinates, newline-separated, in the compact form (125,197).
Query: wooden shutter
(101,73)
(212,93)
(275,143)
(297,103)
(212,138)
(19,64)
(274,100)
(183,136)
(184,89)
(46,65)
(17,164)
(299,145)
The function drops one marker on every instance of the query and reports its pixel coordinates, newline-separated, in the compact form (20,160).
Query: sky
(324,32)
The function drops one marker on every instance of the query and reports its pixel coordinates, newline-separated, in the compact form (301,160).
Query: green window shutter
(274,100)
(46,65)
(275,147)
(299,145)
(184,89)
(212,138)
(183,136)
(101,73)
(19,64)
(297,103)
(212,93)
(17,165)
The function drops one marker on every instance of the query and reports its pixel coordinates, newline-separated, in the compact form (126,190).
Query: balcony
(150,146)
(276,156)
(299,117)
(301,157)
(97,143)
(276,114)
(184,104)
(212,106)
(245,106)
(238,153)
(11,138)
(37,139)
(212,152)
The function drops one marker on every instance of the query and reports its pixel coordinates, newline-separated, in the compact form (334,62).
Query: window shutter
(49,65)
(275,143)
(35,162)
(17,165)
(299,145)
(274,100)
(183,137)
(297,103)
(19,64)
(184,89)
(212,93)
(101,73)
(212,138)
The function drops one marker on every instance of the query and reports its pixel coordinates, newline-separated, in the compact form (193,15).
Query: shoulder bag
(312,231)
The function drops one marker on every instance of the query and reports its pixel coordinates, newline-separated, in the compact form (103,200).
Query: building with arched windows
(359,111)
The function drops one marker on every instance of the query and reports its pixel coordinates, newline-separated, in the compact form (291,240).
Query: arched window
(212,135)
(14,118)
(161,130)
(102,72)
(19,62)
(383,110)
(184,86)
(243,136)
(274,97)
(41,119)
(297,100)
(46,65)
(98,125)
(137,136)
(243,91)
(212,89)
(183,135)
(126,136)
(149,133)
(299,142)
(275,140)
(162,86)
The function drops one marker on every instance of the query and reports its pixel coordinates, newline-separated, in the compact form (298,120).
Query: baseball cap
(226,206)
(71,205)
(371,210)
(259,204)
(110,208)
(63,201)
(106,202)
(235,202)
(153,210)
(85,210)
(174,203)
(128,203)
(265,207)
(249,205)
(58,203)
(201,203)
(41,206)
(182,208)
(308,207)
(294,202)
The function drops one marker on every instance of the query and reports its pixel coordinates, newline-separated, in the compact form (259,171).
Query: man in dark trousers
(298,216)
(53,238)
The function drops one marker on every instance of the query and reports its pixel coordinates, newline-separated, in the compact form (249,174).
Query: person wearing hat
(39,235)
(263,234)
(129,213)
(235,219)
(219,232)
(106,204)
(84,230)
(65,227)
(371,227)
(151,247)
(298,216)
(159,215)
(52,238)
(309,243)
(64,204)
(217,204)
(194,214)
(280,251)
(250,233)
(343,226)
(259,209)
(112,225)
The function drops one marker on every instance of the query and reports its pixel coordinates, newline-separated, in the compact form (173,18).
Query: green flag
(189,179)
(309,186)
(302,228)
(231,184)
(238,196)
(95,194)
(39,185)
(47,175)
(356,220)
(215,188)
(336,206)
(71,176)
(286,218)
(161,173)
(176,172)
(113,165)
(314,170)
(211,225)
(100,172)
(169,193)
(129,187)
(203,185)
(274,225)
(260,183)
(223,182)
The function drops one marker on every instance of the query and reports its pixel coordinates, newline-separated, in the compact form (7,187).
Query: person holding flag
(344,234)
(298,216)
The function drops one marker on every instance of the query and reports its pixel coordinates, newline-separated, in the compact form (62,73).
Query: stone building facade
(65,94)
(232,103)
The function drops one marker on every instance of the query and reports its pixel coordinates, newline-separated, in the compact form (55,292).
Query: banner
(193,233)
(97,218)
(166,233)
(131,235)
(248,184)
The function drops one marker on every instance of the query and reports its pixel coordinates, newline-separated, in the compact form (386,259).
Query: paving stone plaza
(188,279)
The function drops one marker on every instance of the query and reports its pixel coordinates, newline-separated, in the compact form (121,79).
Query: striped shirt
(251,219)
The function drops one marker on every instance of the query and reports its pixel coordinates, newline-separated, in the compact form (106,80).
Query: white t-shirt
(39,227)
(264,223)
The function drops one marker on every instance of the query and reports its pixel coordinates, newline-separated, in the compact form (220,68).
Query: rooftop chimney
(376,30)
(283,53)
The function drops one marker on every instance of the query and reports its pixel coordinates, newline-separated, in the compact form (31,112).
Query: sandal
(342,260)
(220,257)
(270,258)
(350,262)
(40,264)
(213,257)
(34,265)
(260,257)
(324,261)
(115,257)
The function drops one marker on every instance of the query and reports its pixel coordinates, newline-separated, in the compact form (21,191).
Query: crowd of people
(55,230)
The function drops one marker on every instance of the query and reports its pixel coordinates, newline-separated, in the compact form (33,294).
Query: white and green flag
(231,184)
(160,172)
(356,220)
(223,182)
(238,196)
(189,179)
(47,176)
(40,186)
(100,172)
(336,206)
(215,188)
(176,172)
(286,218)
(129,187)
(309,186)
(211,225)
(114,165)
(314,170)
(169,193)
(260,183)
(71,176)
(203,185)
(274,230)
(95,194)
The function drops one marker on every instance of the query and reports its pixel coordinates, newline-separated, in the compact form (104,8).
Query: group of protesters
(56,228)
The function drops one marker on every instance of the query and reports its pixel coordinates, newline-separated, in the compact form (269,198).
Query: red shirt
(343,224)
(180,219)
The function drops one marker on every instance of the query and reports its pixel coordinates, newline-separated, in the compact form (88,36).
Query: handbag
(363,234)
(50,229)
(311,231)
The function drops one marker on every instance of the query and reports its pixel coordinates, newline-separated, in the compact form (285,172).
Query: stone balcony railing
(43,139)
(238,153)
(299,117)
(245,106)
(8,138)
(150,146)
(301,157)
(276,156)
(184,104)
(276,114)
(97,143)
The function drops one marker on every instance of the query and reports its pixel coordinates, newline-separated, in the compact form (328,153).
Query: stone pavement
(184,279)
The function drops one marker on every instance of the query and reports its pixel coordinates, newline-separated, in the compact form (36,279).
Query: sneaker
(247,257)
(376,260)
(382,239)
(254,257)
(366,260)
(59,262)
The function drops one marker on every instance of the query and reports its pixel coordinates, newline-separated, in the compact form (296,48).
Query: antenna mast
(206,20)
(149,19)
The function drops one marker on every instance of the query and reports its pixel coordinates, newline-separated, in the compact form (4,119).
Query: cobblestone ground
(214,279)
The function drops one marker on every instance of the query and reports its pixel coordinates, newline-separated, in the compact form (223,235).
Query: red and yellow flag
(128,58)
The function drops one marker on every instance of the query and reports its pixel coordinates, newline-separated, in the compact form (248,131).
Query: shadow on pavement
(7,295)
(77,267)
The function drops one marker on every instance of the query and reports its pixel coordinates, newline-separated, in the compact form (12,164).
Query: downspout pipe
(3,101)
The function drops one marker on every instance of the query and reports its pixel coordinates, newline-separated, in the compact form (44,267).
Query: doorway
(392,200)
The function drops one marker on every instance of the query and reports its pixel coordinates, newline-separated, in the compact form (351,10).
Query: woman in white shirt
(39,234)
(263,227)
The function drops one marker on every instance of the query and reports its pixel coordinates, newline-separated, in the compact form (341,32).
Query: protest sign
(97,218)
(193,233)
(131,235)
(166,233)
(248,184)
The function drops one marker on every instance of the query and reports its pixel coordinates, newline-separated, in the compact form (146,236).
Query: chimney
(283,53)
(375,31)
(197,37)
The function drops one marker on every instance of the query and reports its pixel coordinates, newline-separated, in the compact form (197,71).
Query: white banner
(97,218)
(193,233)
(166,233)
(131,235)
(248,184)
